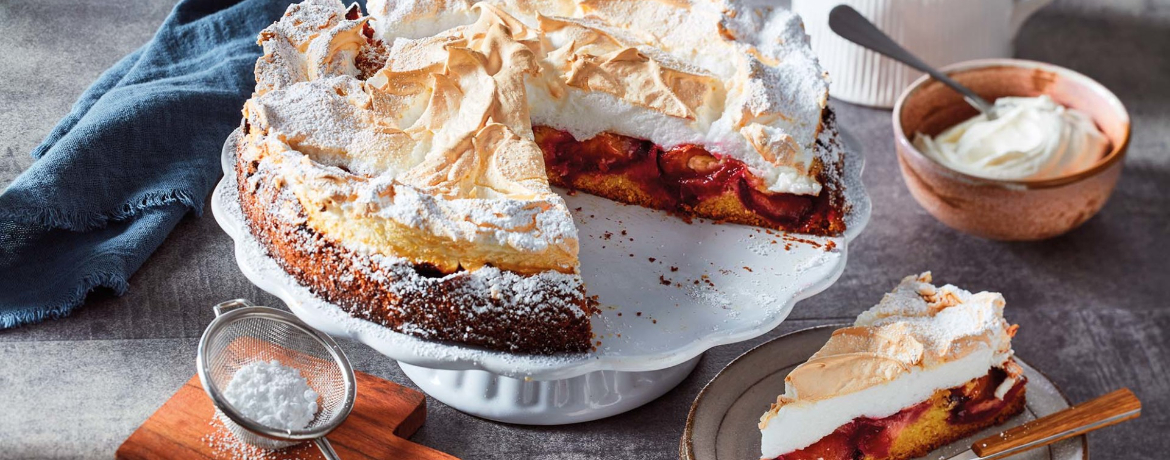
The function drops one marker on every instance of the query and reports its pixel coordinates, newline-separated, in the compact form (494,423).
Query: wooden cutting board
(384,415)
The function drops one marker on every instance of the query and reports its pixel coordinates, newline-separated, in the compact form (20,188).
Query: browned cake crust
(520,315)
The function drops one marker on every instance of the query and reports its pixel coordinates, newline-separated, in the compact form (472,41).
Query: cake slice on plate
(923,368)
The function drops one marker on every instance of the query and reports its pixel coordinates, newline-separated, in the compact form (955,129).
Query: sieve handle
(224,307)
(326,448)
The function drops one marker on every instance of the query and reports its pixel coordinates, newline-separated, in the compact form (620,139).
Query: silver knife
(1110,409)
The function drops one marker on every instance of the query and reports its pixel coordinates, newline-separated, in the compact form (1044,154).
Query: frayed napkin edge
(80,221)
(63,307)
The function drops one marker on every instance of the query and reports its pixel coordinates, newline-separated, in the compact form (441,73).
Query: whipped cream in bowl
(1031,138)
(1046,164)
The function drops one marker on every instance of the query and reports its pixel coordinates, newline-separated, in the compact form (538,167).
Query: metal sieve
(242,333)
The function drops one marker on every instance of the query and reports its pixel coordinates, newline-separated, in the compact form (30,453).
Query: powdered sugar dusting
(283,62)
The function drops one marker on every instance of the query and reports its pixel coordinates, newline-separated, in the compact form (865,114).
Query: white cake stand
(669,291)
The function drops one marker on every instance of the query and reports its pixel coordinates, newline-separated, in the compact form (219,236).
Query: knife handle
(1106,410)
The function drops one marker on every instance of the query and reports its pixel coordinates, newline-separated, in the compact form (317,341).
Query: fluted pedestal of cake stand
(592,396)
(667,292)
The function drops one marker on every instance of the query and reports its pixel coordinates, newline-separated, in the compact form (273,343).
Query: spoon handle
(852,26)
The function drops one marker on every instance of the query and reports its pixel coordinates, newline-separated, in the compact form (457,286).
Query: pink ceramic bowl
(1013,210)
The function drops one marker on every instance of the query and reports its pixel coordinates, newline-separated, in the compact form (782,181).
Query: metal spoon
(852,26)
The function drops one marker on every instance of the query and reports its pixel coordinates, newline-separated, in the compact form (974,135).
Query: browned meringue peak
(594,57)
(414,19)
(333,122)
(683,28)
(478,111)
(917,326)
(313,40)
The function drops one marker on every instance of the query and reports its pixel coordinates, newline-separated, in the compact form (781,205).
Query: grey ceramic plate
(723,418)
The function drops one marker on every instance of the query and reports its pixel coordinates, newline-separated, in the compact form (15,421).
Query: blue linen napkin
(139,150)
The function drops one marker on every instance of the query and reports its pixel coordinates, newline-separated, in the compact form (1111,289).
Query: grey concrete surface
(1092,305)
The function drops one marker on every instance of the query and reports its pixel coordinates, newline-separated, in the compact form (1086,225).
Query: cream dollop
(1032,138)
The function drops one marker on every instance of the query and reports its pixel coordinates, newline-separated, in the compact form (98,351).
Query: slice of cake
(923,368)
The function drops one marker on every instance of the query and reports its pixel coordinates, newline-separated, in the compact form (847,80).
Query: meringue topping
(736,80)
(917,340)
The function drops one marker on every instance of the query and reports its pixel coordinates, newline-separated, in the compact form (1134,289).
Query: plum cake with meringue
(400,164)
(923,368)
